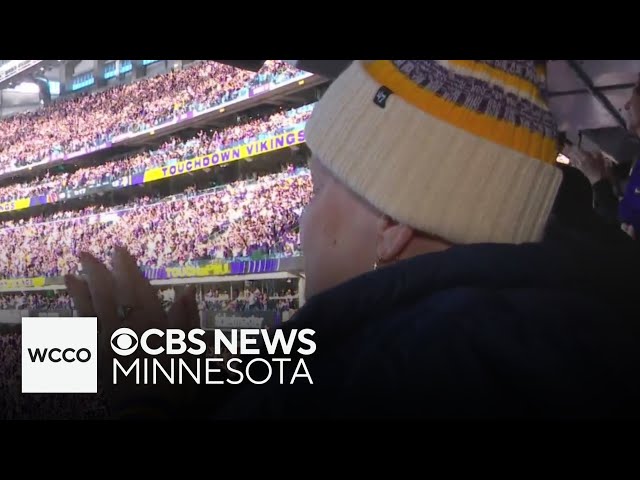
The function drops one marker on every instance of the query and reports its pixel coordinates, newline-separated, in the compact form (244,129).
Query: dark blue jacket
(536,330)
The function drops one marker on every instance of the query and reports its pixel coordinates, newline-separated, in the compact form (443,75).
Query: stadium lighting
(301,82)
(152,132)
(222,110)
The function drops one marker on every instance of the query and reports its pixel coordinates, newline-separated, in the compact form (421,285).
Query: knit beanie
(461,149)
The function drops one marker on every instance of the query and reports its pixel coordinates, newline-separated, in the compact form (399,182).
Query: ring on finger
(124,311)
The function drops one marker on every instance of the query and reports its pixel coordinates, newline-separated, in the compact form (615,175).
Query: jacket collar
(563,263)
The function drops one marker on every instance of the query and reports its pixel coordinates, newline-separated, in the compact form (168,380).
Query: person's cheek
(313,240)
(305,225)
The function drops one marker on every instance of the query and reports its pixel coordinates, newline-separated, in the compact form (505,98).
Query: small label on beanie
(381,96)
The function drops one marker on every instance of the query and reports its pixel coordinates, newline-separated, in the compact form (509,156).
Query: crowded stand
(203,143)
(35,301)
(93,119)
(232,221)
(14,405)
(249,299)
(212,299)
(249,218)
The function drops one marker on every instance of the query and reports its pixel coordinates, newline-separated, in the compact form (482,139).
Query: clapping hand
(121,298)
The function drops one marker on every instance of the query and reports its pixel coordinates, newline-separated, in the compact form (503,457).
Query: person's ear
(393,238)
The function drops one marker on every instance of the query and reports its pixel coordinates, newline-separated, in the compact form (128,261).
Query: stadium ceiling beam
(607,88)
(30,68)
(327,68)
(14,70)
(596,93)
(616,141)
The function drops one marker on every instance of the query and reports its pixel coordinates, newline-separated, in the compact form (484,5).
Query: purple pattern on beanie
(481,96)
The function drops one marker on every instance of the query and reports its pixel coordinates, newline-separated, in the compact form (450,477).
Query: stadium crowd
(203,143)
(212,299)
(232,221)
(246,300)
(91,120)
(35,301)
(15,405)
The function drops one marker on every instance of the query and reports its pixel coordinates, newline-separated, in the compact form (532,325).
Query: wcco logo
(59,355)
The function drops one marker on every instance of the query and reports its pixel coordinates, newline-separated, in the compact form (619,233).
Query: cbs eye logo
(124,341)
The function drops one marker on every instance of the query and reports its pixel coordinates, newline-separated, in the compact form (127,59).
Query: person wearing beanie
(439,281)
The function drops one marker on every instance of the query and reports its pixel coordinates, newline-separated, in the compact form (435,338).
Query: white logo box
(66,355)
